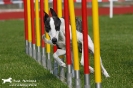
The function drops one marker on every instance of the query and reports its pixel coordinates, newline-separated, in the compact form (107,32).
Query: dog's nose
(54,40)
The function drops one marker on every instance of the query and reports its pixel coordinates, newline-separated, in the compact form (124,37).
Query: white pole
(111,8)
(20,5)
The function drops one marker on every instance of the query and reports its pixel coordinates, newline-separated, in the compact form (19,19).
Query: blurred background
(15,7)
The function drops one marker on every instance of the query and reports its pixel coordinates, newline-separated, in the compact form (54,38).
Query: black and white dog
(55,27)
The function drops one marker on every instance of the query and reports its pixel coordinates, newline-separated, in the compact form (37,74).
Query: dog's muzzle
(54,40)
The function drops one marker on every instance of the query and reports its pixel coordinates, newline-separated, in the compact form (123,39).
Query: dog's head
(52,25)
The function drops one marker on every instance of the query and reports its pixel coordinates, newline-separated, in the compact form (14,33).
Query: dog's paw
(82,62)
(44,38)
(91,69)
(63,64)
(106,74)
(60,63)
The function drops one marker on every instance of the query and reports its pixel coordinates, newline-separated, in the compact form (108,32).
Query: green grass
(116,37)
(15,63)
(116,50)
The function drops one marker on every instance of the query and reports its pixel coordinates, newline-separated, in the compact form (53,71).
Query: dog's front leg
(56,55)
(46,40)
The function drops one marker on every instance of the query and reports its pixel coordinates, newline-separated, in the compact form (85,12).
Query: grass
(116,52)
(15,63)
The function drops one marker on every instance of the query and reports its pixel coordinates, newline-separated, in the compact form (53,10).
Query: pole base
(30,49)
(69,76)
(44,58)
(55,70)
(26,47)
(34,51)
(49,66)
(77,79)
(98,85)
(38,54)
(62,74)
(87,81)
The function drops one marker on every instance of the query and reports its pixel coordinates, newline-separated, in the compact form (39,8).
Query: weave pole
(49,66)
(42,32)
(26,26)
(29,28)
(55,69)
(74,44)
(38,32)
(68,50)
(85,44)
(96,43)
(33,29)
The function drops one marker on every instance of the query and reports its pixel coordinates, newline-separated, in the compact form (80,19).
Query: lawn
(116,37)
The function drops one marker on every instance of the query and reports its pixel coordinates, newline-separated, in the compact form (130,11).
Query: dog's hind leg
(103,69)
(82,60)
(82,63)
(91,47)
(56,55)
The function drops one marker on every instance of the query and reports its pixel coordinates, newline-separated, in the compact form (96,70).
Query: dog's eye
(47,26)
(47,30)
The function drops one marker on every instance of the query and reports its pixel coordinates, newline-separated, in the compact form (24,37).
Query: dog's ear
(53,12)
(45,17)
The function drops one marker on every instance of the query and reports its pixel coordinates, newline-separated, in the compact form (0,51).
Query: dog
(55,27)
(7,80)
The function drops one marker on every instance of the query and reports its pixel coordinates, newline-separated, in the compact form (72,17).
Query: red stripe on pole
(32,20)
(7,1)
(41,19)
(55,9)
(25,19)
(67,32)
(85,36)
